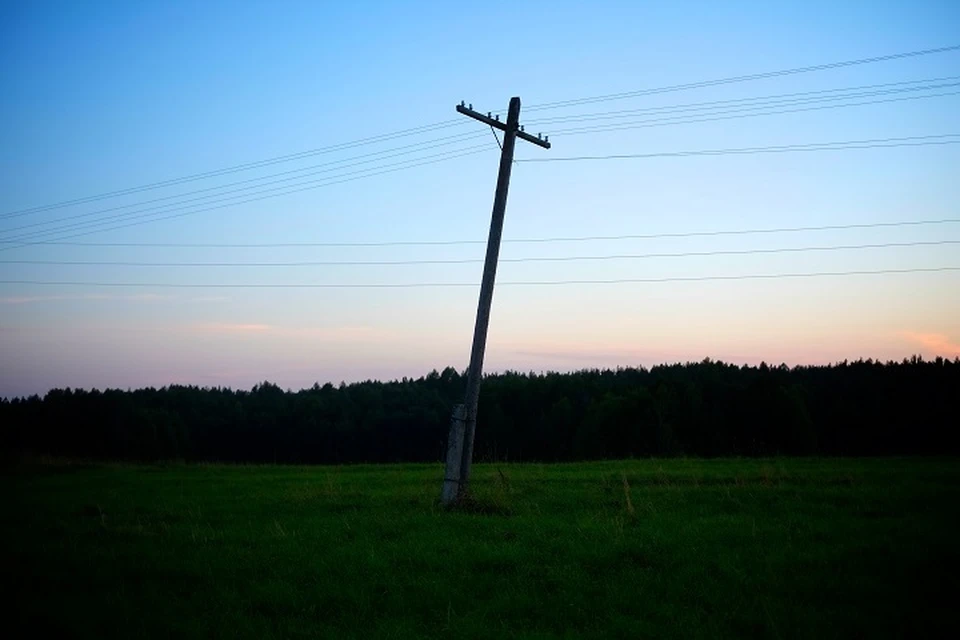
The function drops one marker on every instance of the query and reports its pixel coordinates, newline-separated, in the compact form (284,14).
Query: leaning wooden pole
(463,424)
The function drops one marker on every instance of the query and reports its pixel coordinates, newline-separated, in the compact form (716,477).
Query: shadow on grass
(474,505)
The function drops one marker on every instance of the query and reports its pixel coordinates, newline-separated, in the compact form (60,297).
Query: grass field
(673,548)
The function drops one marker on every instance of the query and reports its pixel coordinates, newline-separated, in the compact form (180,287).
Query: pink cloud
(148,297)
(323,333)
(333,332)
(230,327)
(210,299)
(936,343)
(29,299)
(137,297)
(574,355)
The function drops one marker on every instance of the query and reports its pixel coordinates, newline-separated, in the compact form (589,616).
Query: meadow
(681,548)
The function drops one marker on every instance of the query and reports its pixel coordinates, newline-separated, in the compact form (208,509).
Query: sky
(105,97)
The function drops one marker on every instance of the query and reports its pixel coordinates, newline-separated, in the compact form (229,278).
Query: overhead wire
(448,261)
(365,159)
(155,211)
(529,240)
(735,114)
(305,172)
(151,211)
(21,243)
(908,141)
(237,168)
(821,95)
(826,146)
(416,285)
(457,122)
(736,79)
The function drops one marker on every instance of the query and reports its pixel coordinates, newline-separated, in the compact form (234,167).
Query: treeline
(702,409)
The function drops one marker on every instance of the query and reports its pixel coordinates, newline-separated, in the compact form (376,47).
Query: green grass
(674,548)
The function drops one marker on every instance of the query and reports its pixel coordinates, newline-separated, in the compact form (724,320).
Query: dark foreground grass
(686,549)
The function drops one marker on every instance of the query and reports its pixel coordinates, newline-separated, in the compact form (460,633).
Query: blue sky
(103,96)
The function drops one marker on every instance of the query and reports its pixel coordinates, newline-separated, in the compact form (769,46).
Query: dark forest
(706,409)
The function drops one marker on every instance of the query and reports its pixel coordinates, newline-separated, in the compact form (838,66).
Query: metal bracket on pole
(496,124)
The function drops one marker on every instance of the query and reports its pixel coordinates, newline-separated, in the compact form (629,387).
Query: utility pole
(463,423)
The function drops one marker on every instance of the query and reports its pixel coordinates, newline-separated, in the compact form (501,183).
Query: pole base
(451,478)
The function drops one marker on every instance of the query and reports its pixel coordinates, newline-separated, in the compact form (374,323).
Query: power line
(333,166)
(413,285)
(736,114)
(734,79)
(757,101)
(422,243)
(341,263)
(451,123)
(31,242)
(825,146)
(237,168)
(30,239)
(150,211)
(909,141)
